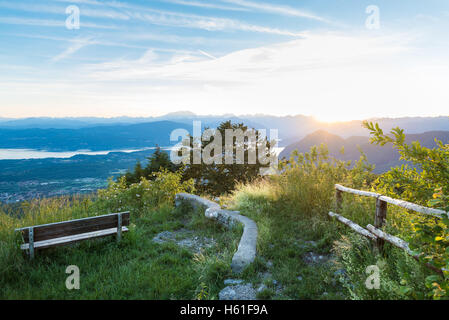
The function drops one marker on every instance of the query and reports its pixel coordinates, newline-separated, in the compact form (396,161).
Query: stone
(231,282)
(261,288)
(185,238)
(246,252)
(313,258)
(238,292)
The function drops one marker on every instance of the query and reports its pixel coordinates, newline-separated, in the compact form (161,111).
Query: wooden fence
(373,232)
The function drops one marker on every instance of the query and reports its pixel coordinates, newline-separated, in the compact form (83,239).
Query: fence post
(338,200)
(379,220)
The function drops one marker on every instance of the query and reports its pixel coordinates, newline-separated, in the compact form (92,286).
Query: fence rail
(373,232)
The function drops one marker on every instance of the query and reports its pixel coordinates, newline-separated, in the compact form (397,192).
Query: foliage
(220,176)
(145,194)
(426,183)
(157,161)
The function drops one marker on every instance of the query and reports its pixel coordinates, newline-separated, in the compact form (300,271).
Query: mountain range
(382,157)
(119,130)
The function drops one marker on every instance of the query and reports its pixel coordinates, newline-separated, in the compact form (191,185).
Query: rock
(238,292)
(299,278)
(340,272)
(261,288)
(313,258)
(185,238)
(266,275)
(231,282)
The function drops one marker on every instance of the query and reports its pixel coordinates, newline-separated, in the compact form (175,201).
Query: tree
(427,179)
(156,162)
(221,165)
(427,183)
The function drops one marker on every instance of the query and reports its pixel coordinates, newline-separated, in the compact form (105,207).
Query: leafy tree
(156,162)
(221,176)
(428,176)
(425,182)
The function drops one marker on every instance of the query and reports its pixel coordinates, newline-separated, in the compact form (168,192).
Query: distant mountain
(290,128)
(383,157)
(92,138)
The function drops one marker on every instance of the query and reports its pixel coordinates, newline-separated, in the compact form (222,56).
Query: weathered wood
(379,220)
(71,239)
(119,227)
(31,242)
(357,192)
(65,232)
(414,207)
(354,226)
(398,242)
(338,199)
(73,227)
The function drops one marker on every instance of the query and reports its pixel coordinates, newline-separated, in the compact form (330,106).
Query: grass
(287,225)
(285,237)
(135,268)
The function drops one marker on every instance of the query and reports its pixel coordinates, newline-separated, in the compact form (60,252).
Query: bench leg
(119,227)
(31,242)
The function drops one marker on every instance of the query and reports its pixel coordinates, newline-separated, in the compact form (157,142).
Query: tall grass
(291,210)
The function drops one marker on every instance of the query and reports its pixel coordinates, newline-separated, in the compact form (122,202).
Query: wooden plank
(81,219)
(74,238)
(398,242)
(73,227)
(357,192)
(354,226)
(414,207)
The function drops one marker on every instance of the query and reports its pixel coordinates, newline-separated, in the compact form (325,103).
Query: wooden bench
(65,232)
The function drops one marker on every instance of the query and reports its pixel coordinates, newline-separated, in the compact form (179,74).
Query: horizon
(215,116)
(334,62)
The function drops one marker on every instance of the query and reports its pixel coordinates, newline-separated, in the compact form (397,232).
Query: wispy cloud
(49,23)
(207,5)
(283,10)
(75,45)
(183,20)
(44,8)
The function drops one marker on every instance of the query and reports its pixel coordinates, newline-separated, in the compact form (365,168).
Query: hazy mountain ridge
(290,128)
(382,157)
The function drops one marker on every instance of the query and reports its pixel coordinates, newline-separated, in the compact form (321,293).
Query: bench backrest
(73,227)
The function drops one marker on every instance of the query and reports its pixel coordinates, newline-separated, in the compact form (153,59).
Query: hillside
(93,138)
(383,157)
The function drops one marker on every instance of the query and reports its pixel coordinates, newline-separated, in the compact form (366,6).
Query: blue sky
(146,58)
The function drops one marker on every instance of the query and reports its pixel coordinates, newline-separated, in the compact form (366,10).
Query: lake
(20,154)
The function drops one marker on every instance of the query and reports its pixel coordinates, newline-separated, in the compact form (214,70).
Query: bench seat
(70,239)
(65,232)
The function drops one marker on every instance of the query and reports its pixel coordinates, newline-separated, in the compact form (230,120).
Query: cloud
(183,20)
(315,51)
(75,45)
(49,23)
(283,10)
(206,5)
